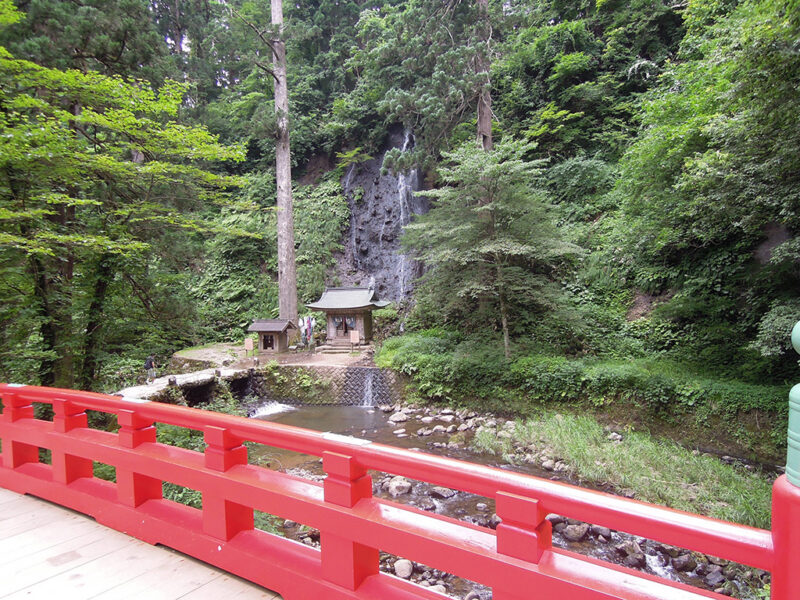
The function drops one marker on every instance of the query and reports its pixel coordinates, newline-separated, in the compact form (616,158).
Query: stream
(447,432)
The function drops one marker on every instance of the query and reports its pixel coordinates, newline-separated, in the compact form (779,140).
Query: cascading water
(380,206)
(270,408)
(368,399)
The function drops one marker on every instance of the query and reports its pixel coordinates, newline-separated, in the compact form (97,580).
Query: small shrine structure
(348,311)
(273,334)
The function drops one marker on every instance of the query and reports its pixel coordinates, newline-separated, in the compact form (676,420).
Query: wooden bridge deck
(47,551)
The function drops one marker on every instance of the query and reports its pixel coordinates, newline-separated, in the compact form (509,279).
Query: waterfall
(386,203)
(367,399)
(406,183)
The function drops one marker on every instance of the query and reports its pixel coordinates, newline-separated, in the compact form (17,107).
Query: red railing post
(525,533)
(134,488)
(344,562)
(221,518)
(786,540)
(16,453)
(786,505)
(66,467)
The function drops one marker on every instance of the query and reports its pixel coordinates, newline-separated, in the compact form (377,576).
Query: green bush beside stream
(444,366)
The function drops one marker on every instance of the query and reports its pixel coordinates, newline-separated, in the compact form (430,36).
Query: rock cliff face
(380,205)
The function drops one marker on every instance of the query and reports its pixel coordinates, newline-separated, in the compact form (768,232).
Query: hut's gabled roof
(271,325)
(347,298)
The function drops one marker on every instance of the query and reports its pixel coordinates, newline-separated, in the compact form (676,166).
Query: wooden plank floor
(51,552)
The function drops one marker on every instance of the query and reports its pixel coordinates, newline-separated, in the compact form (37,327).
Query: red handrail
(514,560)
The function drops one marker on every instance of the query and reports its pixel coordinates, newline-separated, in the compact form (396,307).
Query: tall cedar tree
(488,240)
(287,269)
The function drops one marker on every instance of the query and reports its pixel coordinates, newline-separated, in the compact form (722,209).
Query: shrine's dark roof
(271,325)
(347,298)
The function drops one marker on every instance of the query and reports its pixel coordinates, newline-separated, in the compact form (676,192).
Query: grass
(658,471)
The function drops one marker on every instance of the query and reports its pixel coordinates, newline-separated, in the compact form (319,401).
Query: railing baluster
(67,467)
(525,533)
(344,562)
(16,453)
(134,488)
(221,518)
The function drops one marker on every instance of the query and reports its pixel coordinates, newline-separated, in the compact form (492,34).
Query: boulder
(684,562)
(398,417)
(398,486)
(635,560)
(442,492)
(575,533)
(403,568)
(714,579)
(604,531)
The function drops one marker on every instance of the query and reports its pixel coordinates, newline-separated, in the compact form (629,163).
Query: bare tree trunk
(482,69)
(287,270)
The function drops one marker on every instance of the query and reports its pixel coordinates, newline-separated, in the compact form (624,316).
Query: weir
(287,384)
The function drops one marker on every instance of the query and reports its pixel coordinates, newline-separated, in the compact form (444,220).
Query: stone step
(332,350)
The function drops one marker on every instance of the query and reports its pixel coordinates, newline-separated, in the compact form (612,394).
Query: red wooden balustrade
(517,560)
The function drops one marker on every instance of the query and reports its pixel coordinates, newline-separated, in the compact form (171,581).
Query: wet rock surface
(381,204)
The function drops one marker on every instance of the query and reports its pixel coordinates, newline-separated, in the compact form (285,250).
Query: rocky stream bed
(450,432)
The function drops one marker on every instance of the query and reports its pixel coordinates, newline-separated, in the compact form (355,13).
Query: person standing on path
(150,367)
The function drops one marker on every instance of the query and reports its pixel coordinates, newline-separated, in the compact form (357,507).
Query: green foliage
(238,281)
(97,173)
(322,216)
(385,323)
(416,66)
(488,241)
(444,365)
(717,217)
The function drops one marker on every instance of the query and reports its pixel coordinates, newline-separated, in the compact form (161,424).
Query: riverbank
(697,410)
(486,439)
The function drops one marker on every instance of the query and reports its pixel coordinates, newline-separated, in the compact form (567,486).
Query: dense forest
(632,231)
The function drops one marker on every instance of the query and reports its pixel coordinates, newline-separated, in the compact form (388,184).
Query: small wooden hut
(273,334)
(348,310)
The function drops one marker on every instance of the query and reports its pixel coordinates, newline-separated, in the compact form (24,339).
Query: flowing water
(373,424)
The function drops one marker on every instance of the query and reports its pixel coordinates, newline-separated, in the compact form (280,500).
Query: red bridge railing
(517,560)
